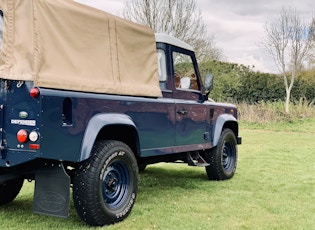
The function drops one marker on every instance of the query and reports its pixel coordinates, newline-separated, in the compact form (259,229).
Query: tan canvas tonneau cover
(66,45)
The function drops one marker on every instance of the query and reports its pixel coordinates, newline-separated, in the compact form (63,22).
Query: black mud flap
(52,191)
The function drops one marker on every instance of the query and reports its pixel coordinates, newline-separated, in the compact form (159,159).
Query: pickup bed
(65,134)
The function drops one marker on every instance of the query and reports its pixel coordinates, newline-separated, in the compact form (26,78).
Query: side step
(194,159)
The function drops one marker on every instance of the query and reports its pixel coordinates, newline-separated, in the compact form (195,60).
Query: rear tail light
(22,136)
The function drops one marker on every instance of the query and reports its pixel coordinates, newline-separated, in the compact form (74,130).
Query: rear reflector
(34,146)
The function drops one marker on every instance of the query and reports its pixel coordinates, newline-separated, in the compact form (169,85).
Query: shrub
(272,112)
(238,83)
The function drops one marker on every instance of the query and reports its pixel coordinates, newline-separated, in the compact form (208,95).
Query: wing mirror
(208,82)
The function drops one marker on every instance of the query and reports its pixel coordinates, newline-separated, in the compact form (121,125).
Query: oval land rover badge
(23,114)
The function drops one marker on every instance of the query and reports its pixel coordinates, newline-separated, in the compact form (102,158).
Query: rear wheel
(10,189)
(222,158)
(105,186)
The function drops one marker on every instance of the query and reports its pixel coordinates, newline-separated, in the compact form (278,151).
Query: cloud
(237,25)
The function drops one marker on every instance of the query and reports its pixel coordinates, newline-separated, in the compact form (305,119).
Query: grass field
(273,188)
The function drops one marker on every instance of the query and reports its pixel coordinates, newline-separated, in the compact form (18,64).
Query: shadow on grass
(17,206)
(155,182)
(19,215)
(170,177)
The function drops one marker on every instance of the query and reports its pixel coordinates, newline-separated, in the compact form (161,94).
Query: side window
(162,68)
(1,26)
(184,72)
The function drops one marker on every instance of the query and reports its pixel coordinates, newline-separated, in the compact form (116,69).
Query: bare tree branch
(289,40)
(179,18)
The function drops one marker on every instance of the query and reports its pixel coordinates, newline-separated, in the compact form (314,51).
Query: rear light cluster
(23,136)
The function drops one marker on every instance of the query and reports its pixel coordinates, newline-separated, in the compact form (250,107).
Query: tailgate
(19,123)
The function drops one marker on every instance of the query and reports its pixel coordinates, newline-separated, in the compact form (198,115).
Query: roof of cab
(164,38)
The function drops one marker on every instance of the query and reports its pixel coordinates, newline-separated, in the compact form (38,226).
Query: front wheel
(105,185)
(222,158)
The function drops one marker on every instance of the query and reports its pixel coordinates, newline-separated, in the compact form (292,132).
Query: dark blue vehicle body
(183,125)
(87,100)
(70,122)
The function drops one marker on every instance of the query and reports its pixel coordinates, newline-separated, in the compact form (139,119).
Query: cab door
(190,120)
(191,114)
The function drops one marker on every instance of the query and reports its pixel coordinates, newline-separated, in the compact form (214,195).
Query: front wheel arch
(224,121)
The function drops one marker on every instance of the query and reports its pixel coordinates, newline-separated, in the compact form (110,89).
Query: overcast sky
(238,25)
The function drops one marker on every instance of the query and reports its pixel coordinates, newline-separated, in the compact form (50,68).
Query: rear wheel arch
(127,134)
(118,127)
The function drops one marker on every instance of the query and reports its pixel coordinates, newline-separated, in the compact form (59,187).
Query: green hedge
(238,83)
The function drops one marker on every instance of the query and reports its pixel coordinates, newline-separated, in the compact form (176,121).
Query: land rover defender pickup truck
(87,100)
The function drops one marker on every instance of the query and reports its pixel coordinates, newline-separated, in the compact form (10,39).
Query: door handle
(182,112)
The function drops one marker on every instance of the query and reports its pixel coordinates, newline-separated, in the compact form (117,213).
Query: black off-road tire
(223,158)
(10,189)
(105,185)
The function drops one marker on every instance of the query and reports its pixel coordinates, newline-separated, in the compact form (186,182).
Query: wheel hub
(115,184)
(227,155)
(110,183)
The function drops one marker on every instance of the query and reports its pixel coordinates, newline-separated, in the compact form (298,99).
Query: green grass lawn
(273,188)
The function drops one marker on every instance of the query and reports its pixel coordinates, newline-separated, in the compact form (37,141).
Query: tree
(289,41)
(179,18)
(311,56)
